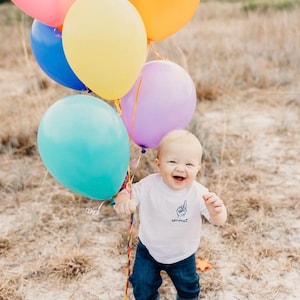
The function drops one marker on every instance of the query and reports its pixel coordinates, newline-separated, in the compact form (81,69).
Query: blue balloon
(46,45)
(84,144)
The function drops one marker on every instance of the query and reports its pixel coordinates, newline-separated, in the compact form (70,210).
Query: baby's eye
(172,161)
(190,165)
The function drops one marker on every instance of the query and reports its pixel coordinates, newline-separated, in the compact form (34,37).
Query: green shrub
(269,5)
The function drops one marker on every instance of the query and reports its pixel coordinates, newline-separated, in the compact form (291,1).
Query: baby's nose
(180,168)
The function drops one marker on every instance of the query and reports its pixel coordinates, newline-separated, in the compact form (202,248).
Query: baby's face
(179,164)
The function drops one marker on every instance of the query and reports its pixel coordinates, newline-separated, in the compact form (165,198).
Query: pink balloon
(163,98)
(49,12)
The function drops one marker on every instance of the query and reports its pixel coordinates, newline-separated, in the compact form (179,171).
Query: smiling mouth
(179,178)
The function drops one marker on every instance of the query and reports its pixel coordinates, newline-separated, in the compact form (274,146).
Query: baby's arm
(216,208)
(124,205)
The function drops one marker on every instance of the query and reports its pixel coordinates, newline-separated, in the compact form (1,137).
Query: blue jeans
(146,278)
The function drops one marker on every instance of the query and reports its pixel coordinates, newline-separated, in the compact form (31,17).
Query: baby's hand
(124,205)
(214,204)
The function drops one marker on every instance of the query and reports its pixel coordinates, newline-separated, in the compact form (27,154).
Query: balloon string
(128,185)
(129,247)
(130,178)
(158,56)
(129,238)
(136,102)
(94,212)
(117,103)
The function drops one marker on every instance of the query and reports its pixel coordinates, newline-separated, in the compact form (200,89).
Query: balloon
(162,18)
(105,44)
(162,99)
(46,44)
(50,12)
(84,144)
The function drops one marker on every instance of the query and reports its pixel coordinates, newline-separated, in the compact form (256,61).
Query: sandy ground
(52,248)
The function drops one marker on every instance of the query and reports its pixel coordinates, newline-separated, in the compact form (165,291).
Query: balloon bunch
(102,46)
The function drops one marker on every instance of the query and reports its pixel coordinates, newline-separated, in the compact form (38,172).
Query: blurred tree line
(3,1)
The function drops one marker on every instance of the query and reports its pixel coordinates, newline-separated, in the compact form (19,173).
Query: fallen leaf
(202,264)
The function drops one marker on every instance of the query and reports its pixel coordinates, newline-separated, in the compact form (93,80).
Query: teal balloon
(85,146)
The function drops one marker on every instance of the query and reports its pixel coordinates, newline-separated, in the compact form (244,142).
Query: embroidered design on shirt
(181,212)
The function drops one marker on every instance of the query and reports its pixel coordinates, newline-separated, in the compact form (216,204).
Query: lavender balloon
(163,98)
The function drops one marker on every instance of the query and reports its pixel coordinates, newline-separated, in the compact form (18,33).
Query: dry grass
(8,289)
(4,245)
(245,64)
(70,266)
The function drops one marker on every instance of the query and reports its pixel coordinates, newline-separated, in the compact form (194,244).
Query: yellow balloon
(162,18)
(105,44)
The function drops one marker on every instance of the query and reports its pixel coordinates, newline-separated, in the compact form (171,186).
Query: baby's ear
(156,161)
(157,164)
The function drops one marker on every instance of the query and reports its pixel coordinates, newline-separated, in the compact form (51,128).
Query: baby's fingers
(125,208)
(210,198)
(212,201)
(217,203)
(218,209)
(132,207)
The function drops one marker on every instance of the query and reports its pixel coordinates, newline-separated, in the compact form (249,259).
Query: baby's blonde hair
(179,136)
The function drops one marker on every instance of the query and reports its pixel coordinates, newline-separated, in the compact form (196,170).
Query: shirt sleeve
(139,189)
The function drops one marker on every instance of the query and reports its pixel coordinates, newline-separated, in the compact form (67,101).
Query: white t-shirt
(170,220)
